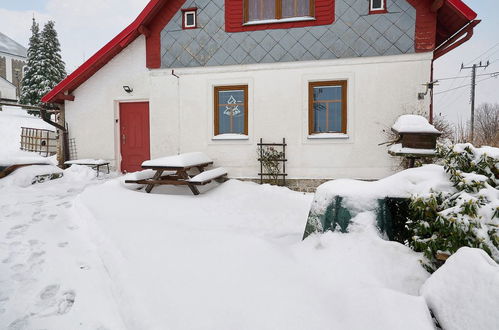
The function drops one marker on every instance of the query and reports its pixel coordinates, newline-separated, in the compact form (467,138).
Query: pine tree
(52,66)
(30,90)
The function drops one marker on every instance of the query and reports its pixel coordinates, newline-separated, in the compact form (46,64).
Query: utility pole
(473,89)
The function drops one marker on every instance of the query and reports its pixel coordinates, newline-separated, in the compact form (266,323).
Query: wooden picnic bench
(177,172)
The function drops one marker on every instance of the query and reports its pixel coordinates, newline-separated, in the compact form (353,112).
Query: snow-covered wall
(181,111)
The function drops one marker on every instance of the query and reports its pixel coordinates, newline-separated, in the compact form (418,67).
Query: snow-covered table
(178,167)
(93,163)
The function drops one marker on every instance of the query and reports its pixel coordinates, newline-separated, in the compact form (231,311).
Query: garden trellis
(272,162)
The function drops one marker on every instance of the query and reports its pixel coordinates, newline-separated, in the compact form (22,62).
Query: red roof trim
(105,54)
(463,9)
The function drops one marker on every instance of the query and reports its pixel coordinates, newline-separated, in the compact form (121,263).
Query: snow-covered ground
(82,252)
(11,121)
(94,254)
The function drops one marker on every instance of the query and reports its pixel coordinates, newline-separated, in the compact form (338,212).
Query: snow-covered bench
(93,163)
(180,165)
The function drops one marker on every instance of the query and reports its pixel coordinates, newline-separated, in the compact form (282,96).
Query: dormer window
(262,11)
(189,18)
(377,6)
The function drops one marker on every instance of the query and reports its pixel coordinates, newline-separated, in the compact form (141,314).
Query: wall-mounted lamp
(128,89)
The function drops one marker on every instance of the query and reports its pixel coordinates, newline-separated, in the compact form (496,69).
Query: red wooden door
(134,135)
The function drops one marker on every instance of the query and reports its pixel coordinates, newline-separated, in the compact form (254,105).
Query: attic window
(274,11)
(189,18)
(377,6)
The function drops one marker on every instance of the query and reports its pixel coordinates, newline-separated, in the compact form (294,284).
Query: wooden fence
(41,141)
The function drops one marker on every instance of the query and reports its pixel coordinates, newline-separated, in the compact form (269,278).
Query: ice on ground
(464,292)
(413,124)
(182,160)
(363,195)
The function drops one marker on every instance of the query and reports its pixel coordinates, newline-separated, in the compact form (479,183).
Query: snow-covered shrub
(441,223)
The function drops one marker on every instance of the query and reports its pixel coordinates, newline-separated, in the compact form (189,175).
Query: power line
(481,55)
(459,77)
(492,75)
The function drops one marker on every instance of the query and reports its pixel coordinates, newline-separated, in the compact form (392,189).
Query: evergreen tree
(52,66)
(30,90)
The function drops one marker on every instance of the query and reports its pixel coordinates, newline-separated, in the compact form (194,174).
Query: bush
(441,223)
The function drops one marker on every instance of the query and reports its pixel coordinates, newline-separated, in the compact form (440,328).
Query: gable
(354,33)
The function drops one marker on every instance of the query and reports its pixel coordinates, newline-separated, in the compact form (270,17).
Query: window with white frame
(377,5)
(189,18)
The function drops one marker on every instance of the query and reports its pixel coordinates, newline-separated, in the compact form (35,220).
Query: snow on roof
(9,46)
(413,124)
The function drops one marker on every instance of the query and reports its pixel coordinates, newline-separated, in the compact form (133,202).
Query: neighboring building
(218,75)
(13,58)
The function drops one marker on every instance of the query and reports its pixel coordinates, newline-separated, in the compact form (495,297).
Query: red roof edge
(463,9)
(105,54)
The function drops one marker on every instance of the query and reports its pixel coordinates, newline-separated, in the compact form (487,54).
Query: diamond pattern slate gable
(354,33)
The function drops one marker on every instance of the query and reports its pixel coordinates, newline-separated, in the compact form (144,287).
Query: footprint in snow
(63,244)
(19,324)
(16,231)
(52,216)
(67,302)
(49,291)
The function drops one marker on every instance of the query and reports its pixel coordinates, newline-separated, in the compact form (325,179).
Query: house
(218,75)
(13,58)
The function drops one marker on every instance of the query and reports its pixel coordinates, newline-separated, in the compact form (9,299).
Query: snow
(398,149)
(209,175)
(413,124)
(23,177)
(9,46)
(363,195)
(182,160)
(464,292)
(87,162)
(79,250)
(11,121)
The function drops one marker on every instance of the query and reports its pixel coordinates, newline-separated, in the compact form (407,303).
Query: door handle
(123,138)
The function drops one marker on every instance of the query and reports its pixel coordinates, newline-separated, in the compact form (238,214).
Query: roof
(452,17)
(105,54)
(11,47)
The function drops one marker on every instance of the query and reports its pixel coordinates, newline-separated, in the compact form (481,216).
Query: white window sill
(320,136)
(282,20)
(224,137)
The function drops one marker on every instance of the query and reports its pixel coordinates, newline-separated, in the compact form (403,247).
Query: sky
(85,26)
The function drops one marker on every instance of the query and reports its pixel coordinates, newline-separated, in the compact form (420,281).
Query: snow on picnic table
(94,254)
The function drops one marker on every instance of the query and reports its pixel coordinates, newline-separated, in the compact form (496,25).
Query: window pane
(231,112)
(189,19)
(377,4)
(261,9)
(328,106)
(295,8)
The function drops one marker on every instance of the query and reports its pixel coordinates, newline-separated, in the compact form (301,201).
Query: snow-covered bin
(337,202)
(464,292)
(417,136)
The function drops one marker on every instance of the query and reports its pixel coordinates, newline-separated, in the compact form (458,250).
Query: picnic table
(96,164)
(174,170)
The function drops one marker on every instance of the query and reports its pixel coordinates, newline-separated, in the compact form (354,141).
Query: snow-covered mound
(362,195)
(234,255)
(24,176)
(464,292)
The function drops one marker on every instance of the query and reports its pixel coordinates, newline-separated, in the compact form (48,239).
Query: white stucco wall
(181,111)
